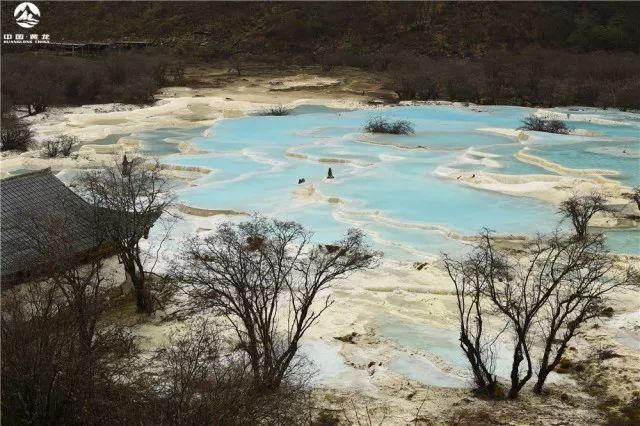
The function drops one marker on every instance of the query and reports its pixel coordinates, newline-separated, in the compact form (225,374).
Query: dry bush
(634,196)
(62,145)
(382,125)
(39,81)
(15,134)
(200,381)
(60,364)
(532,76)
(539,125)
(278,111)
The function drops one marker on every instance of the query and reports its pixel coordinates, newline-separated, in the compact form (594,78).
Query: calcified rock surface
(402,354)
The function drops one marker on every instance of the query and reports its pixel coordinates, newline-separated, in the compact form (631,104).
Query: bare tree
(470,280)
(130,196)
(635,195)
(60,365)
(195,382)
(200,381)
(264,277)
(580,296)
(580,210)
(556,284)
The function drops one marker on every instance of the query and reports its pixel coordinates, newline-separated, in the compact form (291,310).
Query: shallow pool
(389,185)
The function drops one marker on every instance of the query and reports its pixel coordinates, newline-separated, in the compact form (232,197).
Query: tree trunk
(144,301)
(542,377)
(515,372)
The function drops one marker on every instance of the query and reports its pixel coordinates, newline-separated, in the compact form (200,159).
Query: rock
(607,354)
(331,248)
(420,266)
(347,338)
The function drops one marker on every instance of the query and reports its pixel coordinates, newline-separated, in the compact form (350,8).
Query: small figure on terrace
(330,174)
(301,180)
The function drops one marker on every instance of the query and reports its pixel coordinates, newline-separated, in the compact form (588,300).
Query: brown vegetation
(534,76)
(571,54)
(66,359)
(266,279)
(382,125)
(60,363)
(61,145)
(15,134)
(130,197)
(580,210)
(36,82)
(200,381)
(556,286)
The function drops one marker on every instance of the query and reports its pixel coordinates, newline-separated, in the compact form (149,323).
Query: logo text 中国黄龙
(25,38)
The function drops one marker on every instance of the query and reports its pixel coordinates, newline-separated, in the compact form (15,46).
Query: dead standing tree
(581,295)
(59,361)
(634,195)
(130,198)
(580,210)
(264,277)
(469,279)
(556,285)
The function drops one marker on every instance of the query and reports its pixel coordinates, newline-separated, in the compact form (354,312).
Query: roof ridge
(23,175)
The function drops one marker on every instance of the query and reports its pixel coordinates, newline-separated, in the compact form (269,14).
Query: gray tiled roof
(34,200)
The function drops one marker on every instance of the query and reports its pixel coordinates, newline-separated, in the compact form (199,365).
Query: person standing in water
(330,174)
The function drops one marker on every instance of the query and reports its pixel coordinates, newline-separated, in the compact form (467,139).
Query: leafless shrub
(264,276)
(60,363)
(199,381)
(473,416)
(469,278)
(582,277)
(539,125)
(194,380)
(580,210)
(61,145)
(355,415)
(627,413)
(278,110)
(15,134)
(382,125)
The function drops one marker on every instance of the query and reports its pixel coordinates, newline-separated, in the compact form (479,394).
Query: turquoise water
(161,142)
(390,185)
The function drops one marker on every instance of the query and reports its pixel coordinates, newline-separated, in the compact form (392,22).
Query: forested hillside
(540,53)
(304,28)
